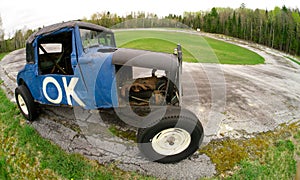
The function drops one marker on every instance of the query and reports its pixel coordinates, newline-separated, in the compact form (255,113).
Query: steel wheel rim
(171,141)
(22,104)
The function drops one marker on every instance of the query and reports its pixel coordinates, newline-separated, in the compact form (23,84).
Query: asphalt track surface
(230,100)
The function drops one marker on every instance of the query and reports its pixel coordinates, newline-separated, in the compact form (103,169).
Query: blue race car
(78,64)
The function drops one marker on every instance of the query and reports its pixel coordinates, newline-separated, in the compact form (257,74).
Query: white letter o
(59,96)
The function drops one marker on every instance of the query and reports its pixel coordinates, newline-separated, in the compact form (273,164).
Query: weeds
(269,155)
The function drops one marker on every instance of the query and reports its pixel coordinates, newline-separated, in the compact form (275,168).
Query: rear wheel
(25,102)
(172,139)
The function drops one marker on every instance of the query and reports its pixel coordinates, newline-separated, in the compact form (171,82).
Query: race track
(230,100)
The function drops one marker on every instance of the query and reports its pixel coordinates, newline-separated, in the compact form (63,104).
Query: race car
(77,63)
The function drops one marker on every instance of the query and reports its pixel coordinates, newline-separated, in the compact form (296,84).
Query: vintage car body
(77,64)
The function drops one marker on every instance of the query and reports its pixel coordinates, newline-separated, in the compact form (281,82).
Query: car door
(57,60)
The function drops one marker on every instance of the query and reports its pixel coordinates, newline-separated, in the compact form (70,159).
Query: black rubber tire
(29,103)
(187,121)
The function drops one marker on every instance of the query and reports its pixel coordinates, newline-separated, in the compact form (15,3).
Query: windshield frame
(95,38)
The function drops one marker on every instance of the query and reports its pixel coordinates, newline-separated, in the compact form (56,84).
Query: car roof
(58,26)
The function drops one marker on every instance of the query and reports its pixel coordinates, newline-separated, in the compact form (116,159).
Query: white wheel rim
(171,141)
(22,104)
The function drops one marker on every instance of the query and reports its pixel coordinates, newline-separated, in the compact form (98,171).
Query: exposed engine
(148,90)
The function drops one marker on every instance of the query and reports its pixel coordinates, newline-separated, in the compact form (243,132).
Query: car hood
(145,59)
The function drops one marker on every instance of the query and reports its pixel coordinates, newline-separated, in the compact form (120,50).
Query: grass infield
(196,48)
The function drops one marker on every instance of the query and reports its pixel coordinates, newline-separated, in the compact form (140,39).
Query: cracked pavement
(230,100)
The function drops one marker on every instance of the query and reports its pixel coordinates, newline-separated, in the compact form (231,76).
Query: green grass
(269,155)
(196,48)
(233,54)
(278,163)
(157,45)
(294,60)
(2,55)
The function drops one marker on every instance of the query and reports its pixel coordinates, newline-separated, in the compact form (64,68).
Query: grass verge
(294,60)
(2,55)
(195,47)
(278,163)
(269,155)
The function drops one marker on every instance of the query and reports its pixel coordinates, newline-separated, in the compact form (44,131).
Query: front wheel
(171,140)
(25,102)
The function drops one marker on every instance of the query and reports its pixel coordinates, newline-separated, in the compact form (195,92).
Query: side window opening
(50,48)
(54,54)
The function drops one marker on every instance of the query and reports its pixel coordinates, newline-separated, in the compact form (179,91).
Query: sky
(31,14)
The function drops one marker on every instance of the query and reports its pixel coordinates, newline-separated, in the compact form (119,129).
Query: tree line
(16,42)
(278,28)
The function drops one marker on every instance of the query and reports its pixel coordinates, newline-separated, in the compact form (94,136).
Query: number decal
(69,90)
(48,80)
